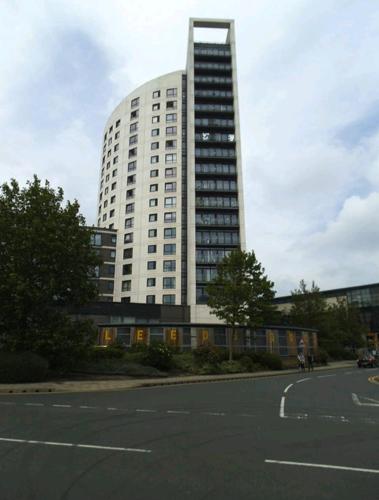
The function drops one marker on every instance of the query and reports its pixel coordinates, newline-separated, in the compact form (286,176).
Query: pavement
(295,436)
(110,384)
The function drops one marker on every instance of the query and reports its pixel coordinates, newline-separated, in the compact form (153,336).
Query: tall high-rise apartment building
(171,181)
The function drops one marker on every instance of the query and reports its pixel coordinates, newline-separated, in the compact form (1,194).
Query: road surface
(302,436)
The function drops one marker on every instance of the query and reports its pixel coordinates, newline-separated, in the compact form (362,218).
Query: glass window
(134,103)
(129,222)
(170,158)
(128,253)
(117,135)
(96,239)
(169,249)
(128,238)
(118,123)
(170,172)
(150,299)
(169,232)
(170,202)
(127,269)
(104,217)
(170,217)
(168,299)
(116,147)
(171,130)
(134,114)
(156,106)
(171,144)
(169,265)
(153,202)
(111,213)
(133,139)
(130,193)
(133,127)
(129,208)
(132,165)
(170,187)
(151,264)
(152,233)
(153,217)
(154,159)
(171,92)
(131,179)
(171,117)
(153,188)
(132,152)
(114,173)
(115,160)
(154,173)
(152,249)
(156,94)
(126,286)
(171,104)
(150,282)
(154,145)
(155,132)
(169,282)
(155,119)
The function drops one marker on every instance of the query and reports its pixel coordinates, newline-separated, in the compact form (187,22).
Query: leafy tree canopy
(241,294)
(45,261)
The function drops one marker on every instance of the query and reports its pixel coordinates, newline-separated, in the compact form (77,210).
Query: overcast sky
(309,106)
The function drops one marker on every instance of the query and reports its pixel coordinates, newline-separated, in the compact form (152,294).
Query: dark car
(368,361)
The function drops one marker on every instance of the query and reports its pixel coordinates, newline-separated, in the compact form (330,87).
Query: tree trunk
(231,337)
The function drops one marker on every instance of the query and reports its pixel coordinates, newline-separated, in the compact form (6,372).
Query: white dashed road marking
(302,380)
(73,445)
(287,388)
(323,466)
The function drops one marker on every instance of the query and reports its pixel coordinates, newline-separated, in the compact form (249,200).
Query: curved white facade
(171,178)
(140,191)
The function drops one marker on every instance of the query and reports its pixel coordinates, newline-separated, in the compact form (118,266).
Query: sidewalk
(133,383)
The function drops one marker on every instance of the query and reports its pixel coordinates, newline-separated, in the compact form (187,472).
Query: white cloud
(307,72)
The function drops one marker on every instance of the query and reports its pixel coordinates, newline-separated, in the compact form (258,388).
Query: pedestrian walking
(301,361)
(310,360)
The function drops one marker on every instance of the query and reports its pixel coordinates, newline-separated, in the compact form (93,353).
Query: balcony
(214,153)
(206,137)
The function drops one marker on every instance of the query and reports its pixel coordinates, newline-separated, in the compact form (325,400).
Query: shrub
(322,357)
(185,362)
(207,354)
(110,352)
(159,355)
(265,359)
(139,347)
(232,367)
(209,369)
(248,364)
(16,367)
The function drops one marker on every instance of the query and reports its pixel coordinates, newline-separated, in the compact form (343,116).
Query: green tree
(308,306)
(241,294)
(45,263)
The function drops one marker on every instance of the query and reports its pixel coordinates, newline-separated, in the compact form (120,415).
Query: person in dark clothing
(310,360)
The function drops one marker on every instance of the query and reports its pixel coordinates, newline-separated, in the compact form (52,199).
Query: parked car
(367,361)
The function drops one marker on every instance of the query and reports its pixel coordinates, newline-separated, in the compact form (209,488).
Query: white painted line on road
(323,466)
(287,388)
(281,411)
(370,399)
(88,407)
(34,404)
(357,401)
(91,446)
(302,380)
(146,411)
(214,414)
(61,406)
(179,412)
(326,376)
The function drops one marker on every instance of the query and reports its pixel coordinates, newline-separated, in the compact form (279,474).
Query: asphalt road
(291,437)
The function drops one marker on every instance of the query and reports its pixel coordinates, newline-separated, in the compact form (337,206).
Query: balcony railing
(214,122)
(215,153)
(213,79)
(207,137)
(214,93)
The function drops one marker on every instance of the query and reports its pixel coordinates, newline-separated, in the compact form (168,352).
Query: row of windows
(97,239)
(215,168)
(212,52)
(168,265)
(217,237)
(169,93)
(215,153)
(217,201)
(169,172)
(168,248)
(170,117)
(207,65)
(205,274)
(169,157)
(169,144)
(216,185)
(214,107)
(169,217)
(169,105)
(213,79)
(217,219)
(214,93)
(211,255)
(169,131)
(117,124)
(214,122)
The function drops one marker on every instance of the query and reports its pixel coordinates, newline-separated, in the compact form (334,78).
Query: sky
(308,76)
